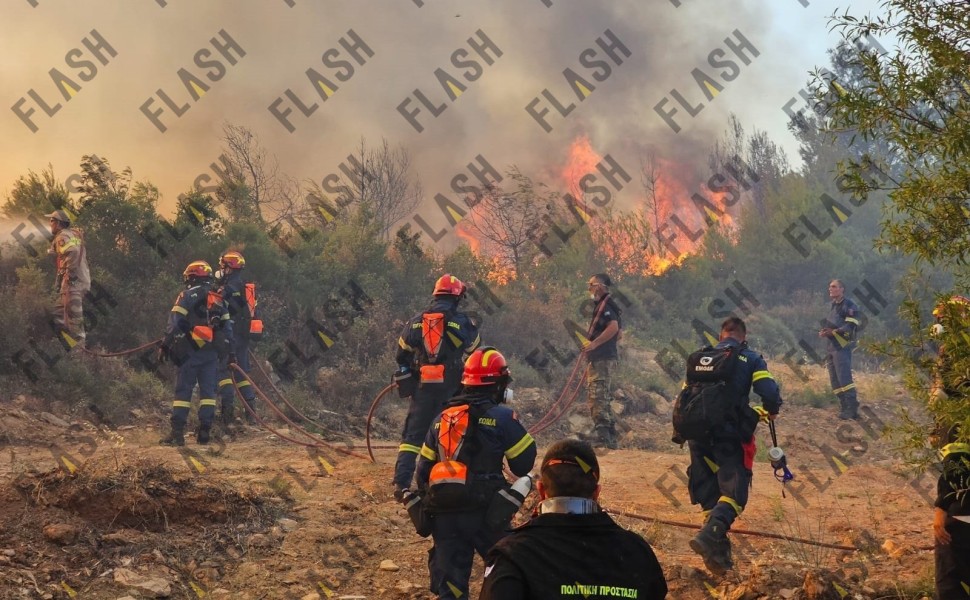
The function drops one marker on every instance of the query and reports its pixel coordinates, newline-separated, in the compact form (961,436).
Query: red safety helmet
(448,285)
(959,304)
(232,260)
(197,270)
(486,366)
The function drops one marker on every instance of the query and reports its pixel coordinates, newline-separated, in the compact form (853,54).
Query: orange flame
(582,160)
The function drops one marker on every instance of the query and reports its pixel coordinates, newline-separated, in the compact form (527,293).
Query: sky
(149,84)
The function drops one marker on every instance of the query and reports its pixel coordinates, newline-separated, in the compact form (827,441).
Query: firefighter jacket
(496,434)
(233,292)
(844,319)
(572,556)
(460,337)
(72,262)
(606,310)
(194,320)
(952,493)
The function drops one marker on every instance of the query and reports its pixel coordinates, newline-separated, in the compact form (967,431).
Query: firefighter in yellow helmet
(73,275)
(459,473)
(189,342)
(951,331)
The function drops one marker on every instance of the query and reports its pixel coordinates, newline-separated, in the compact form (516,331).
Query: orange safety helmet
(232,260)
(448,285)
(197,270)
(486,366)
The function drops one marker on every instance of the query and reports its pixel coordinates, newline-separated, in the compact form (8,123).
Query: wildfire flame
(582,160)
(630,241)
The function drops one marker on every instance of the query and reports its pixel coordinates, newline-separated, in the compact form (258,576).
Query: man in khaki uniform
(73,277)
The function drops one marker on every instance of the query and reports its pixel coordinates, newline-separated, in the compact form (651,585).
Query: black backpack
(704,404)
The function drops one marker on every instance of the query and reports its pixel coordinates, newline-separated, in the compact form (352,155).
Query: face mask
(592,295)
(508,395)
(936,330)
(218,275)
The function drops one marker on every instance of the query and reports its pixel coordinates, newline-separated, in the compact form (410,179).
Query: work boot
(175,438)
(202,434)
(712,544)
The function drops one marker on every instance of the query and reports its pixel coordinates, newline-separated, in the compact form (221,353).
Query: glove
(232,358)
(762,413)
(163,354)
(406,383)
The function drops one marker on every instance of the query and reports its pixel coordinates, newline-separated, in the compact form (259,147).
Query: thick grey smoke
(406,41)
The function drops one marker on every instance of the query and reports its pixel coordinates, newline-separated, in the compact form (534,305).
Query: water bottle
(777,457)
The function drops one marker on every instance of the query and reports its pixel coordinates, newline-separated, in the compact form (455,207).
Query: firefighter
(430,354)
(571,543)
(720,467)
(240,299)
(951,523)
(840,330)
(459,472)
(601,352)
(74,278)
(950,383)
(189,342)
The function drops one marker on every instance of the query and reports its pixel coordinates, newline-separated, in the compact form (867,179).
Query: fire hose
(564,402)
(776,536)
(280,395)
(316,442)
(123,352)
(370,417)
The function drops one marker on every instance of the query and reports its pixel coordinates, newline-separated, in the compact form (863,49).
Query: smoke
(409,41)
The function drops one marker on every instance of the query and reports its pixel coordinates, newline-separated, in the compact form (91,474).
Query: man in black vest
(572,548)
(601,352)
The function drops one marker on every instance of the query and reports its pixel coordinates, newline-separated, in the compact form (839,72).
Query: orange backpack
(449,480)
(433,337)
(255,325)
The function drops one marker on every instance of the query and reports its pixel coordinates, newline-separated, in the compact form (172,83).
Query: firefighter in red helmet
(459,472)
(240,299)
(430,354)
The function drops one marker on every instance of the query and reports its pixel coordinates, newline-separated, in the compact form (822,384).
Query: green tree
(916,99)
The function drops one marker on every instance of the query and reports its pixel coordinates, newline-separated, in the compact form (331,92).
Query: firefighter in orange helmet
(190,342)
(240,299)
(430,354)
(459,473)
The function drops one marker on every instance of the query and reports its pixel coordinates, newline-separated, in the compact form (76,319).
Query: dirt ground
(91,513)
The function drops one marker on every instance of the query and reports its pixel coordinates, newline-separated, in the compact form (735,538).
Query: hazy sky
(648,47)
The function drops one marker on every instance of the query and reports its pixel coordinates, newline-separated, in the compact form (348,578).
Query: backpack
(437,353)
(703,405)
(449,485)
(255,325)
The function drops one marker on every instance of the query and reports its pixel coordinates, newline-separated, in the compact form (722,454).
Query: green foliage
(915,99)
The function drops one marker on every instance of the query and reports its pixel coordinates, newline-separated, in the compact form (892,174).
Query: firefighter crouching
(190,343)
(459,473)
(240,299)
(430,355)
